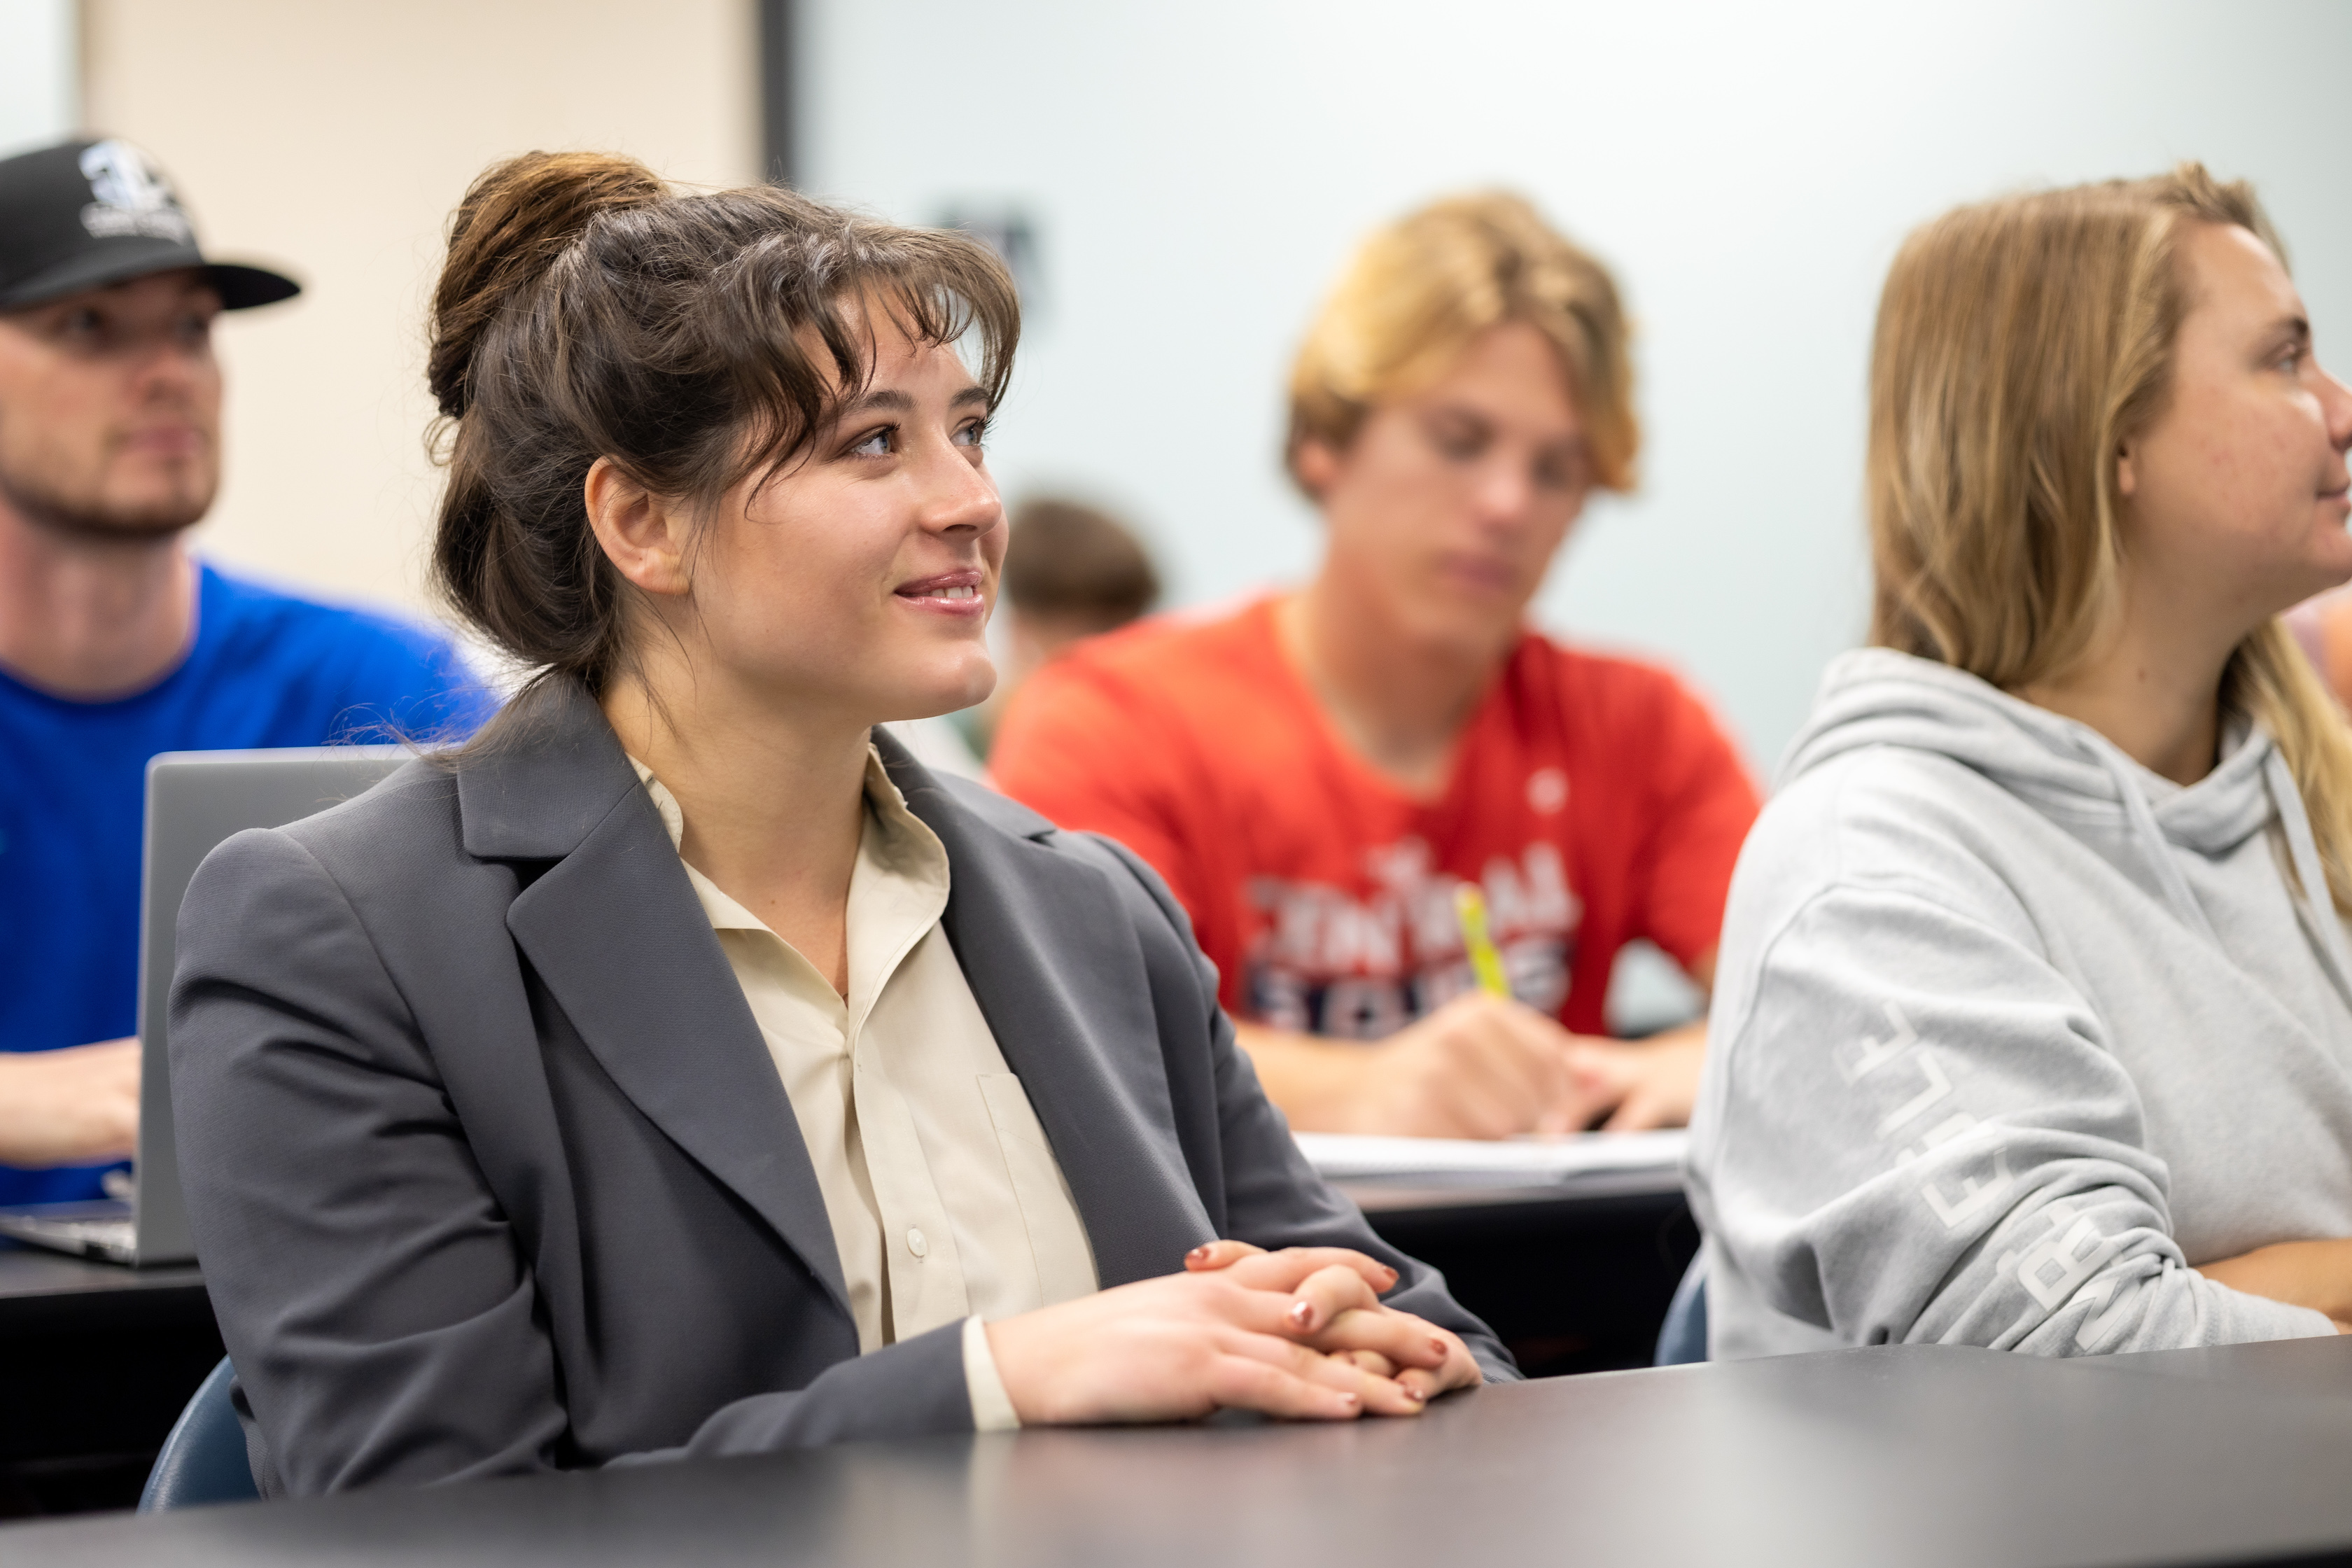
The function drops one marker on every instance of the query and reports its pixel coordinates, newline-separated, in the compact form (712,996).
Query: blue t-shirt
(266,671)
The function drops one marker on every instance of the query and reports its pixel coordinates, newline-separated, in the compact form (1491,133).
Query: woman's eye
(83,323)
(973,434)
(877,445)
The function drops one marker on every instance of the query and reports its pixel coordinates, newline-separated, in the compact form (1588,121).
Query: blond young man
(1317,774)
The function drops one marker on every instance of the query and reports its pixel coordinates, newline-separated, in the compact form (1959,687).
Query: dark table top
(1910,1455)
(36,1285)
(42,1291)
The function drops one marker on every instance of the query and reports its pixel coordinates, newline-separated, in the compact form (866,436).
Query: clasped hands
(1299,1333)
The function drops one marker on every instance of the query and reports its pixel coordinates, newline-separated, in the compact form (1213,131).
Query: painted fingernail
(1302,1316)
(1198,1255)
(1416,1396)
(1349,1400)
(1437,1344)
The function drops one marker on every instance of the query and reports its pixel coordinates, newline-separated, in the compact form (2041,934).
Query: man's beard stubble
(50,510)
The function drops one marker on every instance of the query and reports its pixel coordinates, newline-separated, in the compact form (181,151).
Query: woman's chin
(949,694)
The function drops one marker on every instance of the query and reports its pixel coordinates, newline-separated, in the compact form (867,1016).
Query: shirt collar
(897,847)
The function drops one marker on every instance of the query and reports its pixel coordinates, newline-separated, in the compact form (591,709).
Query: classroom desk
(1573,1280)
(96,1361)
(1916,1455)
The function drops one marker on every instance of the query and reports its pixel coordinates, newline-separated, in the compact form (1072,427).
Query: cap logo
(132,196)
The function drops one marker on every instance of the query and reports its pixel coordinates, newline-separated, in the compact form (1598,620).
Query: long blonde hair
(1419,289)
(2020,342)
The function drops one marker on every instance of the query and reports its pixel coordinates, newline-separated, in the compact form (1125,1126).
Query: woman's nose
(2337,400)
(961,494)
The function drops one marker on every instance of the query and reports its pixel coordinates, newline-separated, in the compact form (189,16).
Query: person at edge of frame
(2034,1025)
(117,642)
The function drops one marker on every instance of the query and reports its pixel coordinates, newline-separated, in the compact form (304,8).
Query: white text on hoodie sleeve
(1915,1133)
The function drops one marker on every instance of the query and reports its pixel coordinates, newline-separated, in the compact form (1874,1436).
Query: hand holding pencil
(1486,961)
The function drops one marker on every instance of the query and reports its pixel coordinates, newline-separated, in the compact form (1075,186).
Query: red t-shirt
(1595,800)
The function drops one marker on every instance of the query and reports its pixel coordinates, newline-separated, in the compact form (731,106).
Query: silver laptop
(195,800)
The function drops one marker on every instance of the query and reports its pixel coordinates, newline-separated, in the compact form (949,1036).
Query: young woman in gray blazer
(680,1068)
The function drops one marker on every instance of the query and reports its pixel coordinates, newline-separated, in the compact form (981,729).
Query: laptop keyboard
(113,1238)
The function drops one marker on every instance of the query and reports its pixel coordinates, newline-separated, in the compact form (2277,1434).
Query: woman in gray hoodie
(2033,1025)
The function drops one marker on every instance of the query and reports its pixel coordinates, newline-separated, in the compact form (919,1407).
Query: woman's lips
(950,592)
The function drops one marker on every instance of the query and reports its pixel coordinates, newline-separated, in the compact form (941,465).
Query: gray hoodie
(2008,1033)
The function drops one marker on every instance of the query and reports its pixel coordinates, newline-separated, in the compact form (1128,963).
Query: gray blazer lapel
(1051,956)
(616,932)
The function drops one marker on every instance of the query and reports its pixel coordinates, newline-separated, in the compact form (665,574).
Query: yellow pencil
(1470,905)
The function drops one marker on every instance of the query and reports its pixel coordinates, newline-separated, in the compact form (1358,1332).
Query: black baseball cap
(83,215)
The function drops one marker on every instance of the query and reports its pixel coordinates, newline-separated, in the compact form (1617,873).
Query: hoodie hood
(1877,697)
(2072,774)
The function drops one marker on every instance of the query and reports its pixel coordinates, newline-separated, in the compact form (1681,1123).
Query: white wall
(333,140)
(39,74)
(1199,171)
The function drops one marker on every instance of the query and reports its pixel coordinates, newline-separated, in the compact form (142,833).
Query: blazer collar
(548,771)
(615,931)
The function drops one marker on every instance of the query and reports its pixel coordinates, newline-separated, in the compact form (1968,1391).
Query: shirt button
(916,1244)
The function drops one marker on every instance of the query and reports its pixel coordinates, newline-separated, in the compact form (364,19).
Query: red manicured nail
(1198,1255)
(1302,1316)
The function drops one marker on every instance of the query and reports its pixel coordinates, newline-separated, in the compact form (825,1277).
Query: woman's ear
(642,534)
(2126,476)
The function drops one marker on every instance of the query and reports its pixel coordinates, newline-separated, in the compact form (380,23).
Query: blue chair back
(1684,1338)
(204,1459)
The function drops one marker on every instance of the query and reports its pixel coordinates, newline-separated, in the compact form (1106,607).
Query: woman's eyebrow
(888,397)
(2287,329)
(898,401)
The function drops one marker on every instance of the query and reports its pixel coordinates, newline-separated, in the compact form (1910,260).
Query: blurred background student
(116,643)
(1071,571)
(1316,774)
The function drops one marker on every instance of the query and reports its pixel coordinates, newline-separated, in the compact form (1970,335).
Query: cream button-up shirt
(945,1198)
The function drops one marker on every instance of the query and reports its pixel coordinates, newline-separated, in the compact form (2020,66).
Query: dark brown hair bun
(516,219)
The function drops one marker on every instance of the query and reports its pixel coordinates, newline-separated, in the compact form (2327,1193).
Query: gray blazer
(490,1171)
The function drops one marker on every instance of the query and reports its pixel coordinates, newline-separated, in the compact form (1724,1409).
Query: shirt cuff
(992,1407)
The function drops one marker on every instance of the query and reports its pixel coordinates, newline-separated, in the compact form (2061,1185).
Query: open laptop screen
(195,801)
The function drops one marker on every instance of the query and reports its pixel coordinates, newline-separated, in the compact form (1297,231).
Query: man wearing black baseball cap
(87,214)
(115,642)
